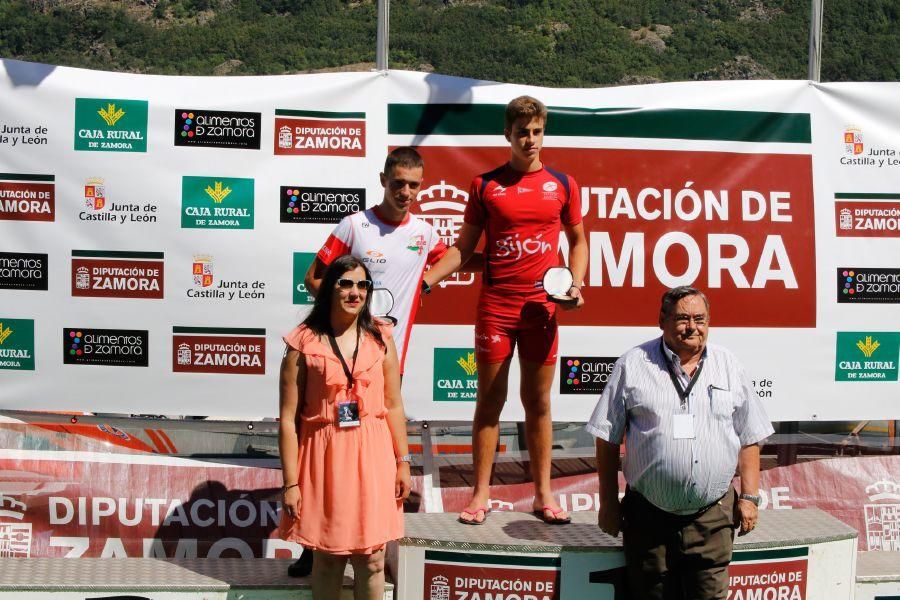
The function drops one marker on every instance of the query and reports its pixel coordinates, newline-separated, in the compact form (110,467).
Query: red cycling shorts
(506,319)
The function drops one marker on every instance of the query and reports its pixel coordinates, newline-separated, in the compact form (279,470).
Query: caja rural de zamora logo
(110,125)
(216,202)
(455,374)
(867,356)
(17,344)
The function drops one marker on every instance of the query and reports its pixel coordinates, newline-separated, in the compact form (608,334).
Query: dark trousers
(677,557)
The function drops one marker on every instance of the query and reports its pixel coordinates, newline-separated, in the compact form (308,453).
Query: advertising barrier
(154,231)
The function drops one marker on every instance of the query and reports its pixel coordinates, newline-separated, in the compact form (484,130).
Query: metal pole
(815,41)
(383,39)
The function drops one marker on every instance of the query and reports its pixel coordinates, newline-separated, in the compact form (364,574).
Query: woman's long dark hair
(319,319)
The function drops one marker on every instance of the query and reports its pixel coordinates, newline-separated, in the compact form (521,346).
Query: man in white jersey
(395,245)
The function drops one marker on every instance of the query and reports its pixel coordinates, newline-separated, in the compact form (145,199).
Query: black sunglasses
(362,284)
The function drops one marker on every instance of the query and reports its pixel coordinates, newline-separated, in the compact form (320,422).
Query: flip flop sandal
(474,514)
(541,514)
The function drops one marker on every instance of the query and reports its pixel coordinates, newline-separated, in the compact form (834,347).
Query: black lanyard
(334,346)
(683,393)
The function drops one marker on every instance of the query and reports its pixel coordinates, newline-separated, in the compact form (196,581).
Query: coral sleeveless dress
(346,474)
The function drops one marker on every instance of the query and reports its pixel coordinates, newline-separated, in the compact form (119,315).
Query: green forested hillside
(545,42)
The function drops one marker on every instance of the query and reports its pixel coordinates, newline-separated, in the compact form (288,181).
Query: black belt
(690,516)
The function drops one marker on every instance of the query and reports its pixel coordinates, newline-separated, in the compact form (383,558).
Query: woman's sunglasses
(346,284)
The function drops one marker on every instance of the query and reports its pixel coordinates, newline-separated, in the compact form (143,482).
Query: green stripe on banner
(489,559)
(26,177)
(669,123)
(319,114)
(865,196)
(749,555)
(115,254)
(219,330)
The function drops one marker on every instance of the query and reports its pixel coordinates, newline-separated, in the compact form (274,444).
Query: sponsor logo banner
(302,261)
(868,286)
(97,207)
(584,374)
(109,347)
(23,135)
(780,573)
(115,274)
(110,125)
(655,219)
(207,286)
(860,153)
(219,350)
(216,202)
(170,507)
(455,375)
(23,271)
(17,344)
(867,215)
(318,204)
(474,576)
(319,133)
(867,356)
(217,128)
(26,197)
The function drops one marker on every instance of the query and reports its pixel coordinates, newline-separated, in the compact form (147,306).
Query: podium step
(156,579)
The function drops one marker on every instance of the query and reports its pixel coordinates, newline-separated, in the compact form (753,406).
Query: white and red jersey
(395,253)
(522,215)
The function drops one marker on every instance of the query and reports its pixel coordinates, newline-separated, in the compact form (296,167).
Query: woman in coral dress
(342,435)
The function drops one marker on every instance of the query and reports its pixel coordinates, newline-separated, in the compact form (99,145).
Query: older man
(690,416)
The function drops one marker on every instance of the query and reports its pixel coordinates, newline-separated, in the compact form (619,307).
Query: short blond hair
(524,106)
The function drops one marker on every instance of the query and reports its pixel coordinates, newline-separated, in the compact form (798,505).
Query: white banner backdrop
(154,231)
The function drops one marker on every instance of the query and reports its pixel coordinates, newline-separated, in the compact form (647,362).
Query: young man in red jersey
(521,207)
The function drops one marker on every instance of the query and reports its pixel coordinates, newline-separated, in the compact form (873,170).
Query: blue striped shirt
(639,403)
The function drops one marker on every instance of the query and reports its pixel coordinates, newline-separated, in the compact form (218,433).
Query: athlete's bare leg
(493,380)
(535,385)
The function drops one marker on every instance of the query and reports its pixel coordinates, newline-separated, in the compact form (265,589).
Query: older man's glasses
(684,319)
(363,285)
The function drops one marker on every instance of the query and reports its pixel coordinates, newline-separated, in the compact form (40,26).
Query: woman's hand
(291,502)
(402,484)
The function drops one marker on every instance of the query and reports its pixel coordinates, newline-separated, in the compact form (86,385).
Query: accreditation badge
(348,413)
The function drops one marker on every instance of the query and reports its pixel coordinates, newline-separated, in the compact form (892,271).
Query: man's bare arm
(609,515)
(314,274)
(748,471)
(457,255)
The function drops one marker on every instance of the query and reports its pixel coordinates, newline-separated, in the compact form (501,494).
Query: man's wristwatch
(750,498)
(426,289)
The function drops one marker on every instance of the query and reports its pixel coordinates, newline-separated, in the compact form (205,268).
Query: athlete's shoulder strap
(561,177)
(488,177)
